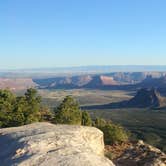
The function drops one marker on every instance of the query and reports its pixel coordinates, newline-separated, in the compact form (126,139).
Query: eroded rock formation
(45,144)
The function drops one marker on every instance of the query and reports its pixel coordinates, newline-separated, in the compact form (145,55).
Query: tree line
(28,108)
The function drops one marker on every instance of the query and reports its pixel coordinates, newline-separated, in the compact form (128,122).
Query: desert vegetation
(19,110)
(145,124)
(26,109)
(68,112)
(29,107)
(113,134)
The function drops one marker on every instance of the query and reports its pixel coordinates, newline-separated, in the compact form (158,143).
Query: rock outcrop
(141,154)
(45,144)
(147,98)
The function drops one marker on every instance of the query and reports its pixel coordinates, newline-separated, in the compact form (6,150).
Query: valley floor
(148,125)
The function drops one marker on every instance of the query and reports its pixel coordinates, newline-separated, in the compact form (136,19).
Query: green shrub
(16,111)
(99,122)
(114,134)
(46,114)
(86,119)
(68,112)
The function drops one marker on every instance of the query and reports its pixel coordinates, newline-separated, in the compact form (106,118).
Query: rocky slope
(141,154)
(45,144)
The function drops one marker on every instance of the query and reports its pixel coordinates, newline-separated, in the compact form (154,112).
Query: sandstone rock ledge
(45,144)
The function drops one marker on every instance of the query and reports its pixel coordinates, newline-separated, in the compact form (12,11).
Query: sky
(60,33)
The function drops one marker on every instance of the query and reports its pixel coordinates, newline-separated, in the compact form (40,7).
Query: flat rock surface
(45,144)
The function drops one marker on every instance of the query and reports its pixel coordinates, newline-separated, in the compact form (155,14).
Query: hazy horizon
(92,68)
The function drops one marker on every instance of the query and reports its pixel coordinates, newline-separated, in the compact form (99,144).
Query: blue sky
(58,33)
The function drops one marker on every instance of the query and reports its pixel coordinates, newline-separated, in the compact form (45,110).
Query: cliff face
(100,82)
(17,83)
(45,144)
(147,98)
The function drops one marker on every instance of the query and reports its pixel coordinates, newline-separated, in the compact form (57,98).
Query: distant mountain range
(113,81)
(149,86)
(116,80)
(83,81)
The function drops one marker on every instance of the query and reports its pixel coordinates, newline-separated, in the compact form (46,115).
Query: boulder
(45,144)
